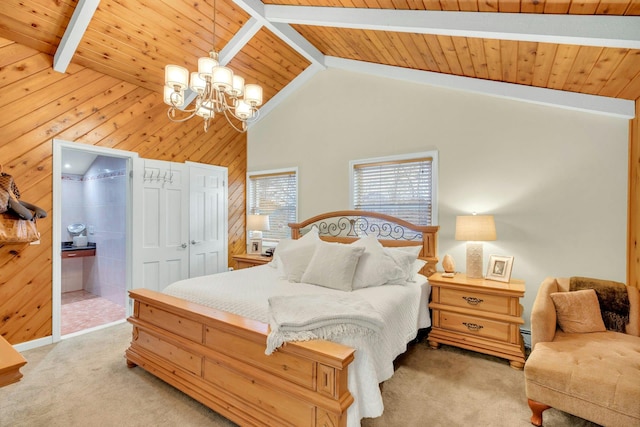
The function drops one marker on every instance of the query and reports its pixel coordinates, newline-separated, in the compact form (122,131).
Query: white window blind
(274,194)
(402,188)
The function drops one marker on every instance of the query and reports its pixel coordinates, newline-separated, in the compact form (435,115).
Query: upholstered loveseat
(593,375)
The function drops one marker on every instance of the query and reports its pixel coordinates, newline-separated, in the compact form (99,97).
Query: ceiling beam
(74,32)
(587,30)
(239,40)
(255,8)
(613,107)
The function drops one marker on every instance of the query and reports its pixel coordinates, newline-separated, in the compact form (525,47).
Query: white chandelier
(218,90)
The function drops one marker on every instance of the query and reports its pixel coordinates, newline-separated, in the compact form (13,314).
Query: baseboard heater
(526,337)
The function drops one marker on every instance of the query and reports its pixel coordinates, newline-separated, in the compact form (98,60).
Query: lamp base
(474,260)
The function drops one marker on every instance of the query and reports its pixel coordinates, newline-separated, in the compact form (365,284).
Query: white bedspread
(403,308)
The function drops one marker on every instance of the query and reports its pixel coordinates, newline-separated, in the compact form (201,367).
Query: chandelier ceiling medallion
(218,90)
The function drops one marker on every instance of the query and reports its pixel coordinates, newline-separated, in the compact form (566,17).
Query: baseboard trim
(33,344)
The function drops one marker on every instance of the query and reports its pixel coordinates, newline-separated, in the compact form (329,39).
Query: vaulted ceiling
(521,48)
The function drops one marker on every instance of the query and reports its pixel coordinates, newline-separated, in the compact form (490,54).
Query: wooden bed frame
(218,358)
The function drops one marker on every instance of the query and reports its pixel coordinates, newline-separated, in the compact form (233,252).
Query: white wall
(555,180)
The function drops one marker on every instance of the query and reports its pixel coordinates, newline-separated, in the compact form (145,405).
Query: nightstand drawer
(250,260)
(475,300)
(474,325)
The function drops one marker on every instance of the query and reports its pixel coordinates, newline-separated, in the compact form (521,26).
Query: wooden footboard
(218,359)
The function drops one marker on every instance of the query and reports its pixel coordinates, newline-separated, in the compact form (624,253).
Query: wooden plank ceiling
(133,40)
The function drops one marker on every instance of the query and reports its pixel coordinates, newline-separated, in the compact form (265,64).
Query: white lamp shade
(206,110)
(243,110)
(175,75)
(475,228)
(253,94)
(172,97)
(222,78)
(238,86)
(206,66)
(197,84)
(258,222)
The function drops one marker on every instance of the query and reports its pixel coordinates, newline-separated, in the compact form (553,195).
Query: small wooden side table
(250,260)
(479,315)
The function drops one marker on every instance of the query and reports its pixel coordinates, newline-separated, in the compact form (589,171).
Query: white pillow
(375,267)
(311,236)
(333,265)
(295,259)
(404,257)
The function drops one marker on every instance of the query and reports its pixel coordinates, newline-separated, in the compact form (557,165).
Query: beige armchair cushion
(578,312)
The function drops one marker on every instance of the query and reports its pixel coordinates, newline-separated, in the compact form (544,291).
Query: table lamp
(475,229)
(257,224)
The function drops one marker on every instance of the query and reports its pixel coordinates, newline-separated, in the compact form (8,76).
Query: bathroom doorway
(92,205)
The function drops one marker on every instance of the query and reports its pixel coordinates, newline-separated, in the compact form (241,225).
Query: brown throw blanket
(613,299)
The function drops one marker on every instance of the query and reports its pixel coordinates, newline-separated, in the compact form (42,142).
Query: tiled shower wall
(72,213)
(103,210)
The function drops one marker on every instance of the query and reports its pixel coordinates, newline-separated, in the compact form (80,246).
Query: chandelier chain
(214,25)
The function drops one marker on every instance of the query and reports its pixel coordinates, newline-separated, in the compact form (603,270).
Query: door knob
(193,242)
(183,246)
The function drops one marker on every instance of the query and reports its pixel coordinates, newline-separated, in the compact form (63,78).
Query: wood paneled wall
(88,107)
(633,215)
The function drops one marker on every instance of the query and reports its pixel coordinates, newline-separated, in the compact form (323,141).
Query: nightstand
(250,260)
(478,314)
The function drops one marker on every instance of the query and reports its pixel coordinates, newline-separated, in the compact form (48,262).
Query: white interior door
(160,223)
(208,219)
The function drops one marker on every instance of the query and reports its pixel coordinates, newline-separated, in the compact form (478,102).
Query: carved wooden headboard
(350,225)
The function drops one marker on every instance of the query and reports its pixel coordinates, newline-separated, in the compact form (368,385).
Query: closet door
(207,219)
(160,223)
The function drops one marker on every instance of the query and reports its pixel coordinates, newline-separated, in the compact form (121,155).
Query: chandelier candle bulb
(175,75)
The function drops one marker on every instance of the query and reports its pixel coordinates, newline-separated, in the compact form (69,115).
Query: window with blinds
(274,193)
(400,187)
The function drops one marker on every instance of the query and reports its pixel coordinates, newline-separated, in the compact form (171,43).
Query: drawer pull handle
(472,326)
(472,300)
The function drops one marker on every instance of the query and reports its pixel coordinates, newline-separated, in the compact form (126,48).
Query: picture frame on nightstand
(499,268)
(255,246)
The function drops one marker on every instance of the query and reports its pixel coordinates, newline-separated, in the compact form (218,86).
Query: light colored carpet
(84,381)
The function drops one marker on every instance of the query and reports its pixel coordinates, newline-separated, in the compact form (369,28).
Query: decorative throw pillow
(578,311)
(374,267)
(612,297)
(333,265)
(404,257)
